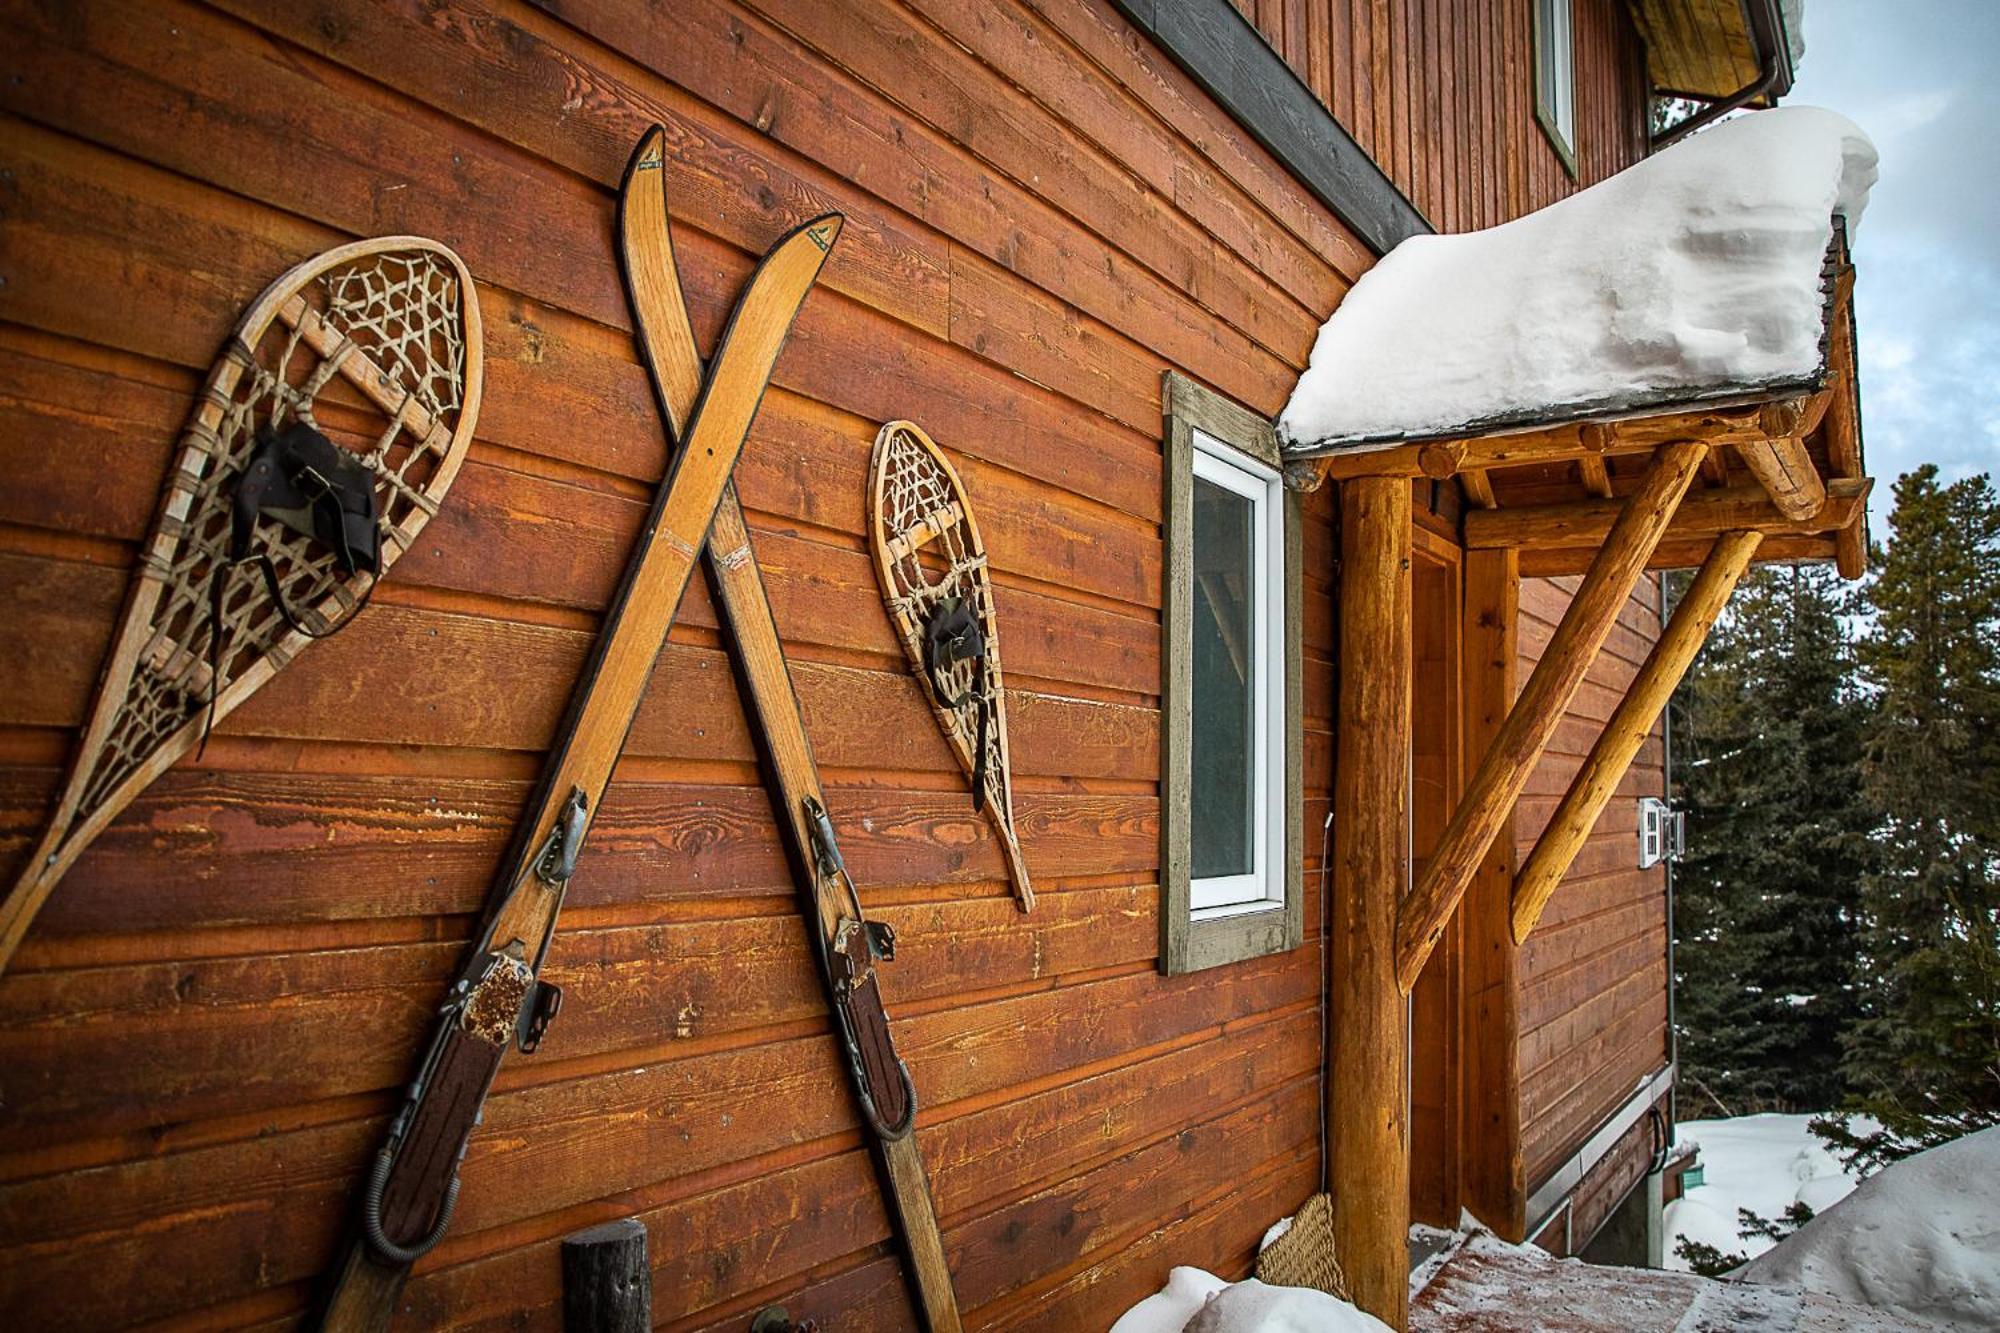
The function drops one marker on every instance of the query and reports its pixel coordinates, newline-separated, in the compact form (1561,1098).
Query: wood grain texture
(826,895)
(1785,470)
(1055,215)
(1504,769)
(1605,767)
(1704,513)
(1367,1119)
(1442,97)
(1591,979)
(1493,1183)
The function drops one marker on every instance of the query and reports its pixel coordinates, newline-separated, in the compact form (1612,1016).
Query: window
(1230,810)
(1555,77)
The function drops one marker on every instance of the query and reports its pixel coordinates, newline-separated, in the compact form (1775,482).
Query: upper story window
(1230,805)
(1555,77)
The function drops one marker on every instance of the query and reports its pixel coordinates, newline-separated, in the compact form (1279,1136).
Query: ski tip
(824,230)
(649,155)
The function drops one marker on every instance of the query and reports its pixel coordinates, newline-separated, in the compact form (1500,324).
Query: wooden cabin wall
(1593,976)
(1441,94)
(203,1036)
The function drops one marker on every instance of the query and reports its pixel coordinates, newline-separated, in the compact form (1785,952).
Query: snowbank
(1922,1236)
(1765,1163)
(1693,273)
(1198,1302)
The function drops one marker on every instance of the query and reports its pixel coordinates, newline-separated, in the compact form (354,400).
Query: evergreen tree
(1767,746)
(1925,1057)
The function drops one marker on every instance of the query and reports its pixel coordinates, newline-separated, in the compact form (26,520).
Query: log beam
(1683,553)
(1842,430)
(1596,478)
(1575,440)
(1779,461)
(1704,513)
(1368,1052)
(1504,770)
(1631,722)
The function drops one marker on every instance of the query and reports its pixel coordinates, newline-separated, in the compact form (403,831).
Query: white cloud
(1927,300)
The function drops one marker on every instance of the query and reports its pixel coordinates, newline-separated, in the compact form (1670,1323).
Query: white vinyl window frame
(1225,466)
(1240,917)
(1555,76)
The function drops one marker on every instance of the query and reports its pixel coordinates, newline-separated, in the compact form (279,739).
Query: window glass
(1235,814)
(1225,675)
(1555,74)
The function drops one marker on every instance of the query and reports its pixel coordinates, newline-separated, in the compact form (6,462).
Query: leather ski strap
(498,999)
(848,944)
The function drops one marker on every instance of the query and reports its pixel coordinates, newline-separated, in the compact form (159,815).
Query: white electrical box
(1662,832)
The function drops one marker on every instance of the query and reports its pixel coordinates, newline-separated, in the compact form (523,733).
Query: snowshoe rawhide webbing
(931,563)
(499,1000)
(848,944)
(375,344)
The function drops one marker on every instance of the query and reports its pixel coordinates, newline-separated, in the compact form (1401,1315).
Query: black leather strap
(303,480)
(952,635)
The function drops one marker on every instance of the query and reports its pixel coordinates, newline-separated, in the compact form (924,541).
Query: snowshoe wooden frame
(848,945)
(498,999)
(396,321)
(927,550)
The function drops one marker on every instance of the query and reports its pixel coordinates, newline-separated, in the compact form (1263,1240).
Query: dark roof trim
(1222,52)
(1774,47)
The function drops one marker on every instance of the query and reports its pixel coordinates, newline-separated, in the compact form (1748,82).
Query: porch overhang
(1746,449)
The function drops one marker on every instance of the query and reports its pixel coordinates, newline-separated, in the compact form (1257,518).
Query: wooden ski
(499,999)
(383,335)
(848,944)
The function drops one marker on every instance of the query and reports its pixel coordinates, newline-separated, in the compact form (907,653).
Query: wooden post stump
(607,1283)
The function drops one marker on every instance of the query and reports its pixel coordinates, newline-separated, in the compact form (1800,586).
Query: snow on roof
(1693,275)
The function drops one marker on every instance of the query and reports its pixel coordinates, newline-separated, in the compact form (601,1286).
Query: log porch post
(1629,726)
(1367,1060)
(1504,769)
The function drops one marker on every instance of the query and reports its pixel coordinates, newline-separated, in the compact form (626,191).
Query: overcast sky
(1919,76)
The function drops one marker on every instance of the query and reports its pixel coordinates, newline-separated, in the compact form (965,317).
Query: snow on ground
(1695,271)
(1198,1302)
(1921,1236)
(1764,1163)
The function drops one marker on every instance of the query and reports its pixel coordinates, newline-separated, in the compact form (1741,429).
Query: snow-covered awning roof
(1695,277)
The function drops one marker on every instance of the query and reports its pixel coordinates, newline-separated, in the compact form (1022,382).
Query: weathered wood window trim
(1188,944)
(1555,77)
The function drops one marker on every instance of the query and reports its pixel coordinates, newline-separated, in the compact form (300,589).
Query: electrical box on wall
(1662,832)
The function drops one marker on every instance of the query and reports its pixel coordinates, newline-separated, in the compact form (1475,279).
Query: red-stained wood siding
(1593,978)
(203,1035)
(1441,95)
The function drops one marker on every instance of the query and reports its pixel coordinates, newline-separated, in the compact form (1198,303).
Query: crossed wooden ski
(498,999)
(848,944)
